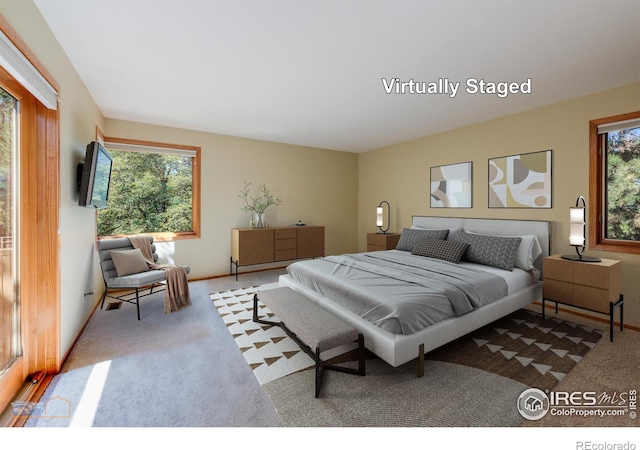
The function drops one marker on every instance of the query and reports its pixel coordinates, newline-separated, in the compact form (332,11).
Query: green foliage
(260,202)
(7,125)
(148,193)
(623,195)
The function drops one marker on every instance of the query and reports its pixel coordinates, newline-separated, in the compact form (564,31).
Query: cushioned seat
(148,279)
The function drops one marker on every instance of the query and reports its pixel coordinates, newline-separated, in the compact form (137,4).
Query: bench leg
(320,365)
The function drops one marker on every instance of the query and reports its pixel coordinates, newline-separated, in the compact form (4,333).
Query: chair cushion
(128,262)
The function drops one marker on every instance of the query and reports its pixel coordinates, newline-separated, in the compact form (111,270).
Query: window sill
(617,247)
(159,237)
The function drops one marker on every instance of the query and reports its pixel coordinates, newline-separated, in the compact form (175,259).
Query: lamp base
(587,259)
(381,232)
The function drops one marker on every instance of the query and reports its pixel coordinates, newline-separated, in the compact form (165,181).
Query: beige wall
(400,173)
(79,117)
(335,189)
(319,187)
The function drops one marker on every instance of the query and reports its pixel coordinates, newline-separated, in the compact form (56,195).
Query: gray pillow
(128,262)
(451,251)
(496,251)
(410,238)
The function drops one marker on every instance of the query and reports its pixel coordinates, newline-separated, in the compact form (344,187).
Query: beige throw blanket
(176,294)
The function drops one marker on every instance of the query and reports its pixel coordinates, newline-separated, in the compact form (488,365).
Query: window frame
(195,186)
(598,190)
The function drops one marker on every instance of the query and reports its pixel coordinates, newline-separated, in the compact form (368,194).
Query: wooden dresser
(251,246)
(587,285)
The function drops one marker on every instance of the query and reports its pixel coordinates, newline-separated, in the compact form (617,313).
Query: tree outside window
(614,186)
(151,191)
(623,184)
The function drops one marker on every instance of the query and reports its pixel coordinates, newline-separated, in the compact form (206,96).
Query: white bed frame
(397,349)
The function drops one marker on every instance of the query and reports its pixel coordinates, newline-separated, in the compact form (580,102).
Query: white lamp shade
(576,215)
(576,233)
(379,216)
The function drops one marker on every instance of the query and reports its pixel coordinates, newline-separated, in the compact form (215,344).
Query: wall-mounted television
(94,176)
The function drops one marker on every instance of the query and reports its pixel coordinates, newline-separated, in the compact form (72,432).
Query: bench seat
(312,327)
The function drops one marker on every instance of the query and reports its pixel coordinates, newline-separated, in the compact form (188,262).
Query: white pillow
(528,251)
(451,230)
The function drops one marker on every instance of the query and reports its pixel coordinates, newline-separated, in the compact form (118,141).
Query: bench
(311,327)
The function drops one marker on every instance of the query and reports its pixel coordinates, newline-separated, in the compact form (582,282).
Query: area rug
(524,347)
(270,353)
(473,381)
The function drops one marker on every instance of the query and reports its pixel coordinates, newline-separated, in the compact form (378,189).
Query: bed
(357,287)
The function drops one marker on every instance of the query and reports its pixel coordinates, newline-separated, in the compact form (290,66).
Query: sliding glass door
(10,341)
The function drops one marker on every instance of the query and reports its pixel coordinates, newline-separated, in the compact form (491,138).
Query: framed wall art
(451,186)
(521,181)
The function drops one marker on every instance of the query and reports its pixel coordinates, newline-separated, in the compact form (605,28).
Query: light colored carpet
(449,395)
(167,370)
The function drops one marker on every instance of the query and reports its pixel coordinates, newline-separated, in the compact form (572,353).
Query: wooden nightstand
(378,241)
(591,286)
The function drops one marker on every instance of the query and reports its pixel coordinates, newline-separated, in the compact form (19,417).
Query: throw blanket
(176,294)
(396,291)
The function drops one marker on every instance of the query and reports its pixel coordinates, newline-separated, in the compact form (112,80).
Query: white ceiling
(309,72)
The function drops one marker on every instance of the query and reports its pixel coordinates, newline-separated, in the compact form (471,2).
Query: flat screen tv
(94,176)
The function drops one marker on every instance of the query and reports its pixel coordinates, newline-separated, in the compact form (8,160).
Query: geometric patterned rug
(270,353)
(523,347)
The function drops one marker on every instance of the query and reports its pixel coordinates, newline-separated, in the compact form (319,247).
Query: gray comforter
(397,291)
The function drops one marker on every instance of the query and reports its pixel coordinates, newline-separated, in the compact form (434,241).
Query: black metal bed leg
(421,361)
(361,355)
(319,372)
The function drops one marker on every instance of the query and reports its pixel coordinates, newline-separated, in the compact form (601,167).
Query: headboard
(497,227)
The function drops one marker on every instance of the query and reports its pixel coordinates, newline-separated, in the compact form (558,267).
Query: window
(155,189)
(30,290)
(615,183)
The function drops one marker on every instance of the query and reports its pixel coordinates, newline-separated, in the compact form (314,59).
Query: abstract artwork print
(520,181)
(451,186)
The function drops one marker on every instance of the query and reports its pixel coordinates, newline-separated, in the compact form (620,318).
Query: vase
(259,221)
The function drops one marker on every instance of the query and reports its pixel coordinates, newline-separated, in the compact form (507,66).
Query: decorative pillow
(451,251)
(128,262)
(528,251)
(410,238)
(496,251)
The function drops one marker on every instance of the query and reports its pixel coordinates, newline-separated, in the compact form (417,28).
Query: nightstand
(378,241)
(594,286)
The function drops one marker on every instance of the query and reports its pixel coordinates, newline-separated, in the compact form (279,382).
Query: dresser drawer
(284,255)
(286,233)
(592,298)
(558,269)
(558,290)
(286,244)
